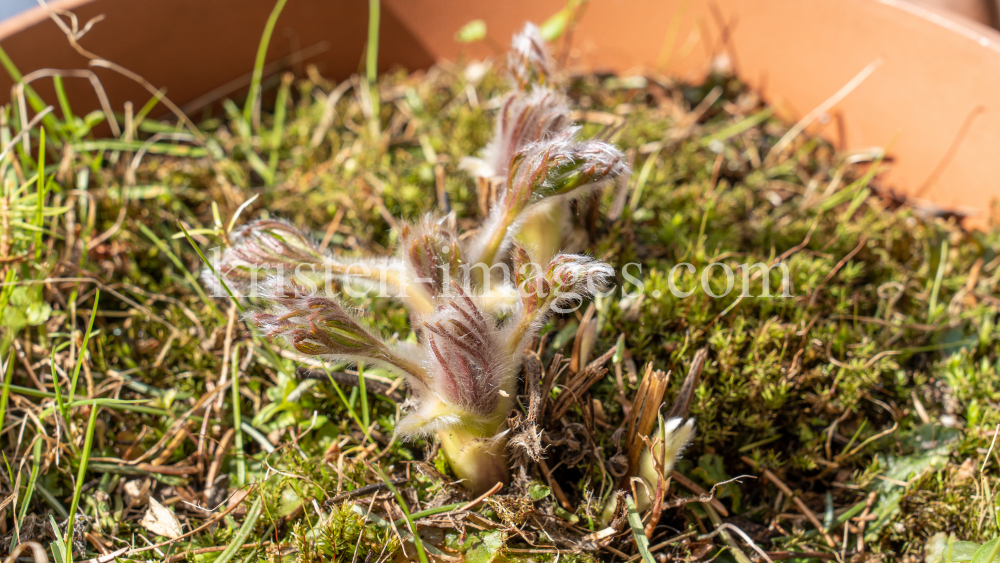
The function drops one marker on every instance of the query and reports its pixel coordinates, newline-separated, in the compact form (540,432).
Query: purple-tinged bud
(321,326)
(563,286)
(261,250)
(524,119)
(432,252)
(471,375)
(560,167)
(529,61)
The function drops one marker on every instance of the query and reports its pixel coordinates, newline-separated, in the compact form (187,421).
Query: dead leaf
(161,521)
(136,492)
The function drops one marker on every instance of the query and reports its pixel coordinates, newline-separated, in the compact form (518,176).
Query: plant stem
(40,191)
(479,462)
(36,463)
(8,374)
(249,523)
(364,395)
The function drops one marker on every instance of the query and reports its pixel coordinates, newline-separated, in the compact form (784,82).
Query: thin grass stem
(81,473)
(241,462)
(258,65)
(417,541)
(83,348)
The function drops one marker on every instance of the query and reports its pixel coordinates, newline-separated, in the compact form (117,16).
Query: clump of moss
(346,534)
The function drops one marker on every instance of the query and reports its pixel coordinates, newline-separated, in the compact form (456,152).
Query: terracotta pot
(982,11)
(934,98)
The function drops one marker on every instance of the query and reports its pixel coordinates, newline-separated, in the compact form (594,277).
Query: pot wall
(935,97)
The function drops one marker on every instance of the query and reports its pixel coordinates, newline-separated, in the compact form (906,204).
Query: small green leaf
(471,32)
(963,551)
(619,354)
(38,312)
(988,552)
(538,491)
(486,547)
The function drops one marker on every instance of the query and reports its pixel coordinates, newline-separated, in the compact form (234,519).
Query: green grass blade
(152,103)
(278,131)
(60,403)
(245,134)
(932,305)
(58,546)
(406,514)
(249,523)
(258,65)
(40,190)
(192,281)
(211,268)
(735,129)
(347,404)
(8,375)
(81,473)
(83,348)
(67,111)
(371,60)
(431,512)
(241,462)
(8,289)
(635,522)
(36,464)
(112,145)
(363,389)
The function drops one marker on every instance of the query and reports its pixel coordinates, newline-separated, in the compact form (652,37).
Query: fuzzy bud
(529,61)
(656,462)
(321,326)
(432,252)
(562,287)
(523,121)
(262,249)
(469,369)
(562,165)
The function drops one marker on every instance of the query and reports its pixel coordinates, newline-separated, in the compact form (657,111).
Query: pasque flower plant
(476,301)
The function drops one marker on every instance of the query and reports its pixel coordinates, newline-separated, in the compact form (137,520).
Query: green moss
(347,533)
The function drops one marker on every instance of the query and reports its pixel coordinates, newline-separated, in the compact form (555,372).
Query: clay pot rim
(418,32)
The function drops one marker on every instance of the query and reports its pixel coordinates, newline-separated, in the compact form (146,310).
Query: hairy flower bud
(524,119)
(561,287)
(432,252)
(321,326)
(468,367)
(657,461)
(529,61)
(262,249)
(267,250)
(561,165)
(542,174)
